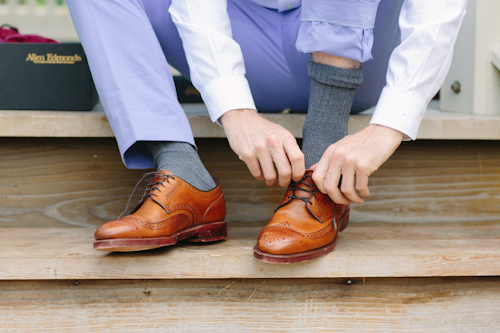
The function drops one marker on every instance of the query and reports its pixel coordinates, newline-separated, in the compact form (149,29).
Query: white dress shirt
(417,67)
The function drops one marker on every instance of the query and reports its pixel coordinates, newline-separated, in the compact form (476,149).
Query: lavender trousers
(129,44)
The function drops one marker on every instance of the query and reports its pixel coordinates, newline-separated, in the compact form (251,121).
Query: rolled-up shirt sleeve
(215,59)
(338,27)
(418,66)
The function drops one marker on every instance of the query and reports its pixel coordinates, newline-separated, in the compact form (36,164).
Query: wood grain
(47,253)
(436,182)
(82,182)
(276,305)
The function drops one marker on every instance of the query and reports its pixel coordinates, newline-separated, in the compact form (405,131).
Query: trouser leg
(341,46)
(276,71)
(131,75)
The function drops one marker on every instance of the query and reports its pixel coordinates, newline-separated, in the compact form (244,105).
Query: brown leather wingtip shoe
(304,226)
(169,211)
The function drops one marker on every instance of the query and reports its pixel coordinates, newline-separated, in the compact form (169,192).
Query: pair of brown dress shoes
(304,226)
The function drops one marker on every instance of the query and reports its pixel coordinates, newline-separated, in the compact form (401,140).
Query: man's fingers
(283,166)
(362,184)
(347,186)
(267,166)
(254,167)
(319,173)
(331,185)
(295,158)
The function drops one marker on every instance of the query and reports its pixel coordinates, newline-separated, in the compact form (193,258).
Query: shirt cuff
(400,110)
(227,93)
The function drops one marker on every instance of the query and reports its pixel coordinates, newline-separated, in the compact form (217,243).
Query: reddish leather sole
(299,257)
(209,232)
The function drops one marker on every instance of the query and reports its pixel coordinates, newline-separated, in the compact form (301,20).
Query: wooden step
(67,182)
(252,305)
(414,258)
(426,251)
(436,124)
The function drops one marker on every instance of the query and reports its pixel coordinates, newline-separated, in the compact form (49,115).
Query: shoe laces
(312,189)
(153,184)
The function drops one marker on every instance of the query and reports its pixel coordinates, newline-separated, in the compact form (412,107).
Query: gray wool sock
(182,159)
(330,102)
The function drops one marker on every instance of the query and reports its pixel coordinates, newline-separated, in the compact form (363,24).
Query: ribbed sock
(330,102)
(183,161)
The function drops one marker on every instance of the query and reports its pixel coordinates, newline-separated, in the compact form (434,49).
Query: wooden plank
(29,253)
(429,182)
(435,125)
(252,305)
(48,182)
(82,182)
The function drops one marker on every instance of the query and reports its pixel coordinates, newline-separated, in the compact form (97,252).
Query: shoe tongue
(296,208)
(160,177)
(307,179)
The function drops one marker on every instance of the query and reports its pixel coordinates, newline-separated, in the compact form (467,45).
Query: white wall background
(48,18)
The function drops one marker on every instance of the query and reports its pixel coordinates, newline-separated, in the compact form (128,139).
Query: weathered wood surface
(436,182)
(435,125)
(82,182)
(252,305)
(28,254)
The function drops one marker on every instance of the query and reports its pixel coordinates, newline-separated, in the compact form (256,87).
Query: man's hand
(262,144)
(355,158)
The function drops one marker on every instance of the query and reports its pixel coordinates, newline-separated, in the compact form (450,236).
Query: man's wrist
(227,118)
(389,132)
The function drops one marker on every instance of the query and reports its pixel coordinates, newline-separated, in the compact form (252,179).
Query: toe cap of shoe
(116,229)
(280,241)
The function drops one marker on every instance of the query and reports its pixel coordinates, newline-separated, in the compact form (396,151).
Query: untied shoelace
(151,187)
(294,186)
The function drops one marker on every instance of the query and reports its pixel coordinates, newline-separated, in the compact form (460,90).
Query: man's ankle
(331,60)
(181,158)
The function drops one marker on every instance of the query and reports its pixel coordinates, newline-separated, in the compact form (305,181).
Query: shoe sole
(304,256)
(209,232)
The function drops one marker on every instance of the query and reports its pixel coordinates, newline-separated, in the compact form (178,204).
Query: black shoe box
(45,77)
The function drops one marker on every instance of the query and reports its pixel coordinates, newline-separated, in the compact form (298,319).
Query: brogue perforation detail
(189,208)
(169,211)
(272,239)
(163,224)
(313,235)
(170,193)
(202,194)
(117,224)
(325,214)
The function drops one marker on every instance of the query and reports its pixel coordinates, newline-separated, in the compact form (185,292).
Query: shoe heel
(344,222)
(210,232)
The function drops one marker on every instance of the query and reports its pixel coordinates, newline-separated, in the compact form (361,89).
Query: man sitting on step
(299,56)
